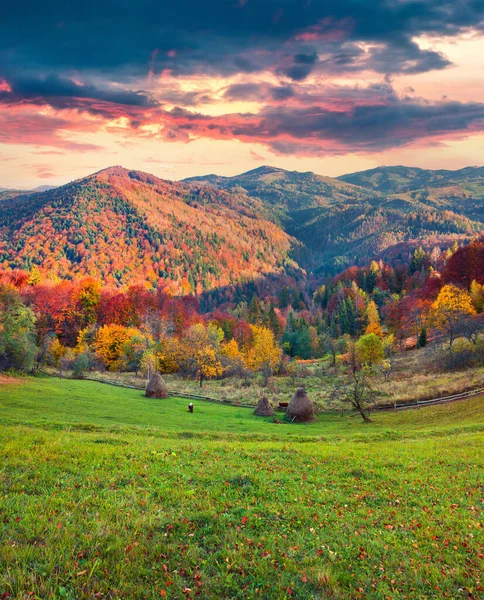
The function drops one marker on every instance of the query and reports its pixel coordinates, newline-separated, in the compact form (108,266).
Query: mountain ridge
(126,225)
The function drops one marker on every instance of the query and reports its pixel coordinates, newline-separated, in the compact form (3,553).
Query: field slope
(106,494)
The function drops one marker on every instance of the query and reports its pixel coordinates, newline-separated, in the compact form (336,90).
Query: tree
(477,295)
(110,343)
(273,322)
(86,297)
(17,333)
(255,316)
(198,351)
(208,364)
(372,276)
(58,351)
(34,276)
(134,350)
(466,264)
(369,350)
(353,386)
(373,319)
(81,365)
(419,260)
(149,363)
(265,354)
(347,317)
(471,327)
(422,338)
(408,316)
(452,305)
(331,345)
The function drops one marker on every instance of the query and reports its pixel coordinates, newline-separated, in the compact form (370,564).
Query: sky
(184,88)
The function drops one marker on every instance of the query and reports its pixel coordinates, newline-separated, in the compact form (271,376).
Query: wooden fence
(376,408)
(431,402)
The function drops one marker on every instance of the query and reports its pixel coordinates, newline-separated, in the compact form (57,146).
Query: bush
(17,333)
(462,355)
(80,366)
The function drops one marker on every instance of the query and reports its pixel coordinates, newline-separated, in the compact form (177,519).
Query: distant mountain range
(212,231)
(39,188)
(390,180)
(353,218)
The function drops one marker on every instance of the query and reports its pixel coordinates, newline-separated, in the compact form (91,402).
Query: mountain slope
(341,223)
(403,179)
(125,226)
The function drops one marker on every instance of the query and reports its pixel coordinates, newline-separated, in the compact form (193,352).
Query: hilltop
(122,226)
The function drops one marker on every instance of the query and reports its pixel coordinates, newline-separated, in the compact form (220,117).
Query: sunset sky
(188,87)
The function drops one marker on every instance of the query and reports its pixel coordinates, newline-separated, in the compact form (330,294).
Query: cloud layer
(300,77)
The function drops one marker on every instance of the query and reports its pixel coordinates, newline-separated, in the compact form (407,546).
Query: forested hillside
(211,232)
(387,215)
(402,179)
(125,226)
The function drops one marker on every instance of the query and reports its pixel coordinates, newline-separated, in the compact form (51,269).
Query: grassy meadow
(107,494)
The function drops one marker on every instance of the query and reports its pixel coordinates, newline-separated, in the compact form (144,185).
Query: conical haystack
(263,408)
(300,408)
(156,387)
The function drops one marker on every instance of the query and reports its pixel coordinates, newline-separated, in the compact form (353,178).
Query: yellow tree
(86,338)
(373,319)
(231,350)
(452,305)
(233,359)
(110,343)
(149,363)
(199,350)
(477,296)
(34,276)
(57,351)
(265,354)
(170,353)
(208,364)
(369,349)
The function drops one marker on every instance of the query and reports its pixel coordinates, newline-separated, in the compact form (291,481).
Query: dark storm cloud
(368,127)
(259,92)
(119,40)
(33,89)
(301,66)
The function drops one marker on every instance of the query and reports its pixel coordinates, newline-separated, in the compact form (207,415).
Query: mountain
(124,226)
(43,188)
(403,179)
(11,192)
(208,232)
(344,221)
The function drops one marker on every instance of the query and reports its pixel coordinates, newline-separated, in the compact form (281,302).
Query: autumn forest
(124,272)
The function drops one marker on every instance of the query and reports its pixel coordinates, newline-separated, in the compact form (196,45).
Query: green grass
(105,494)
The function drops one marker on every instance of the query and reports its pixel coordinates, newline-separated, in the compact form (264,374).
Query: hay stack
(263,408)
(156,387)
(300,408)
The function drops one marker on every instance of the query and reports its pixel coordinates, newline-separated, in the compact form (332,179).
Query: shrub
(80,366)
(422,338)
